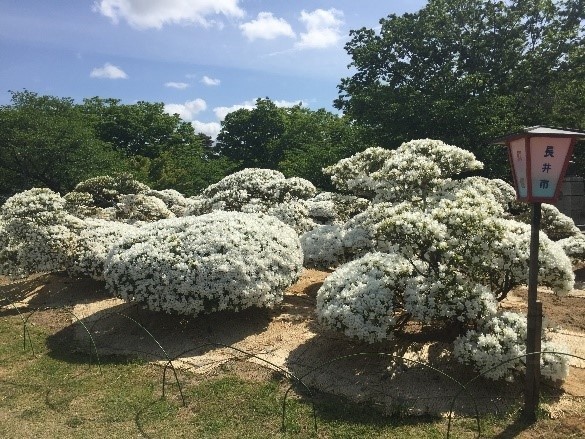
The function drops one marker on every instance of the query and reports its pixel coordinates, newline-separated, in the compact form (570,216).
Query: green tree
(467,71)
(48,141)
(316,139)
(296,141)
(251,137)
(160,148)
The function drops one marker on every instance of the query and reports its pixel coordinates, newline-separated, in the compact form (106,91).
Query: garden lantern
(539,157)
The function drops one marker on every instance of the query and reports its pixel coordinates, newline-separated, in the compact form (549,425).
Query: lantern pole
(539,157)
(534,323)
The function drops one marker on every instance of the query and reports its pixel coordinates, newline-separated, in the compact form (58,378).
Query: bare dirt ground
(415,374)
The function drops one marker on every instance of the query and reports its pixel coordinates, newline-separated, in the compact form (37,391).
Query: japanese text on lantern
(546,166)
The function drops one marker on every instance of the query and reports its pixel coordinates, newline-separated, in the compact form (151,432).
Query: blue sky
(201,58)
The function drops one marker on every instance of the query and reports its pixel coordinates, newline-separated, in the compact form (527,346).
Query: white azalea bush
(37,233)
(362,298)
(498,346)
(413,170)
(323,246)
(464,249)
(254,185)
(92,245)
(141,207)
(553,222)
(217,261)
(257,190)
(574,247)
(105,190)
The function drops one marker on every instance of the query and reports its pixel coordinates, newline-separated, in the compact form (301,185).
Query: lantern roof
(542,131)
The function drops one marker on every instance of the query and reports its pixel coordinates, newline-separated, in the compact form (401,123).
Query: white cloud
(210,128)
(108,71)
(221,112)
(267,27)
(144,14)
(323,28)
(283,103)
(187,110)
(210,81)
(177,85)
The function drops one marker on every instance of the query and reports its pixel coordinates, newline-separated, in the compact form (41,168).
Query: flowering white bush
(362,298)
(502,338)
(106,190)
(323,246)
(574,247)
(332,208)
(413,170)
(174,200)
(93,244)
(554,223)
(218,261)
(141,207)
(464,249)
(37,233)
(259,186)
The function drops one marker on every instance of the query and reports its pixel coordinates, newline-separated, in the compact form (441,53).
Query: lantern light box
(539,157)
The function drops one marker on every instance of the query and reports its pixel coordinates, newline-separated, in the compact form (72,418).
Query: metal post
(532,394)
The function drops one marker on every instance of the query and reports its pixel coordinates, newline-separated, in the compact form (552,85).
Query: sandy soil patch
(416,374)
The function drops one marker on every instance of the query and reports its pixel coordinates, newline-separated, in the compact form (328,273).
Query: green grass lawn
(63,394)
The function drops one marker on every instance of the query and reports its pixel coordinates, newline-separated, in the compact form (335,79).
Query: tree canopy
(295,140)
(467,71)
(54,142)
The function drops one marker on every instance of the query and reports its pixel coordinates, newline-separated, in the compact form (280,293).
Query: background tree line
(462,71)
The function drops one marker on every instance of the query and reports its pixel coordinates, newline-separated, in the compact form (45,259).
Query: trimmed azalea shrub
(363,298)
(258,186)
(93,244)
(414,169)
(323,247)
(331,208)
(105,190)
(497,348)
(553,222)
(174,200)
(218,261)
(574,247)
(464,250)
(142,207)
(37,233)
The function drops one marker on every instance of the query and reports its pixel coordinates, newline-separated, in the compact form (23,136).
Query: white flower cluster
(218,261)
(353,174)
(93,244)
(497,349)
(554,223)
(142,207)
(574,247)
(256,190)
(323,246)
(411,171)
(360,297)
(37,234)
